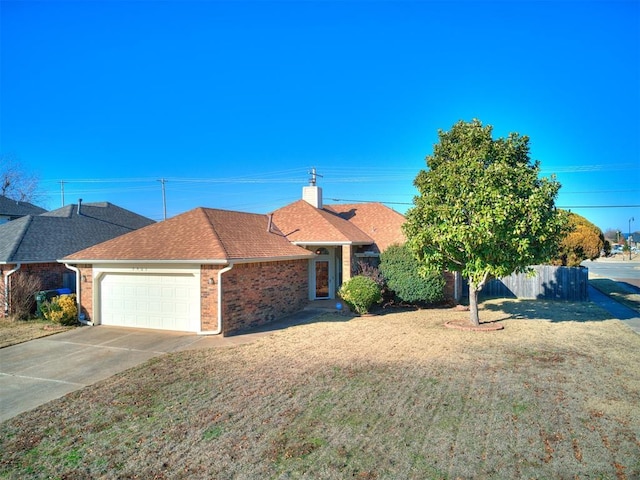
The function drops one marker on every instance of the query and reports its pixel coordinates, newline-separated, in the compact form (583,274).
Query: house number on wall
(139,269)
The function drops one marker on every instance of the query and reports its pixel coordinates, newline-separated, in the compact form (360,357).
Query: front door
(322,278)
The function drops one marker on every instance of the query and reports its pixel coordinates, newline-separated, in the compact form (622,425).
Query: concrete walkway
(36,372)
(628,316)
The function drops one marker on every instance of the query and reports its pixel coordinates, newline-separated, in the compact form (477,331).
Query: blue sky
(234,102)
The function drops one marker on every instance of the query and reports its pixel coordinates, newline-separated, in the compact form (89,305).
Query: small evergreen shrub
(404,279)
(62,310)
(366,269)
(360,293)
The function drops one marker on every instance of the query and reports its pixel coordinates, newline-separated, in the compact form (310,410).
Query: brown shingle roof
(302,223)
(200,234)
(378,221)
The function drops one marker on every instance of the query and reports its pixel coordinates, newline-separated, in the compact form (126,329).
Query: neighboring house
(12,209)
(215,271)
(207,271)
(34,243)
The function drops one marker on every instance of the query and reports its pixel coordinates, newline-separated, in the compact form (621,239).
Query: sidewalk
(626,315)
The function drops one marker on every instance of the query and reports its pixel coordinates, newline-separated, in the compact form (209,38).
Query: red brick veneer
(50,275)
(258,293)
(253,294)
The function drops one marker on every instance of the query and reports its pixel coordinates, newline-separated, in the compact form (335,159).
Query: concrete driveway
(41,370)
(38,371)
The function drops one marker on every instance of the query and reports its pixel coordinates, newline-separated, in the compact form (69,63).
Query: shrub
(23,288)
(360,293)
(365,269)
(62,310)
(403,277)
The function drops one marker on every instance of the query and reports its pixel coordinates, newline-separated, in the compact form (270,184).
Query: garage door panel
(161,301)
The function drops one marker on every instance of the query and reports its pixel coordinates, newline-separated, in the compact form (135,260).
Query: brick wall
(209,296)
(86,290)
(254,294)
(50,276)
(258,293)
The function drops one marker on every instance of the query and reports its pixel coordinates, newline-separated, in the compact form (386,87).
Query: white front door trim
(330,258)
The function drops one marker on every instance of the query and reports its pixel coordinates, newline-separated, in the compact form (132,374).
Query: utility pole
(629,238)
(164,199)
(314,174)
(62,191)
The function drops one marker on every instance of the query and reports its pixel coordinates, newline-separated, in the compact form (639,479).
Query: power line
(559,206)
(601,206)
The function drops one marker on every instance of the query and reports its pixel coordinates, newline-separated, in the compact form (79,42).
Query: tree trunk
(473,303)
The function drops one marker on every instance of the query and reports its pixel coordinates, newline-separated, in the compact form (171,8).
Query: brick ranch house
(171,275)
(32,244)
(214,271)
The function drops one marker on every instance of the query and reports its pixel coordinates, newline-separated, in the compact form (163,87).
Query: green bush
(360,293)
(62,310)
(402,274)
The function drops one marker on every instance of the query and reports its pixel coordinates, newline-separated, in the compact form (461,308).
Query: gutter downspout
(6,287)
(78,303)
(218,330)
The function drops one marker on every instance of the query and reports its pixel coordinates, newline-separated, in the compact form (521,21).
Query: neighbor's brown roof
(378,221)
(302,223)
(199,234)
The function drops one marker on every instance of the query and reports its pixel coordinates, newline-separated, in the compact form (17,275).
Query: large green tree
(482,209)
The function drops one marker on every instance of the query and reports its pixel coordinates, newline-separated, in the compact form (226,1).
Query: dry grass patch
(18,331)
(384,397)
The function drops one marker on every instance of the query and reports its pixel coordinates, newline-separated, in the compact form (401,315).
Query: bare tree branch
(15,182)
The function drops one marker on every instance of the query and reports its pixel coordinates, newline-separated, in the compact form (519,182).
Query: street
(616,269)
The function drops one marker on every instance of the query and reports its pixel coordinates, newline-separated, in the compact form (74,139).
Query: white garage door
(162,301)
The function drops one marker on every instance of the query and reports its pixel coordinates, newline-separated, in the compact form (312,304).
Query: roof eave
(271,259)
(325,243)
(144,261)
(191,261)
(27,262)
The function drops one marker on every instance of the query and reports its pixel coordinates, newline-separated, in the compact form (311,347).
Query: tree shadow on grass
(302,317)
(548,310)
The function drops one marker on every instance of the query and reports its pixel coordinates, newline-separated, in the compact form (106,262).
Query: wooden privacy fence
(549,283)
